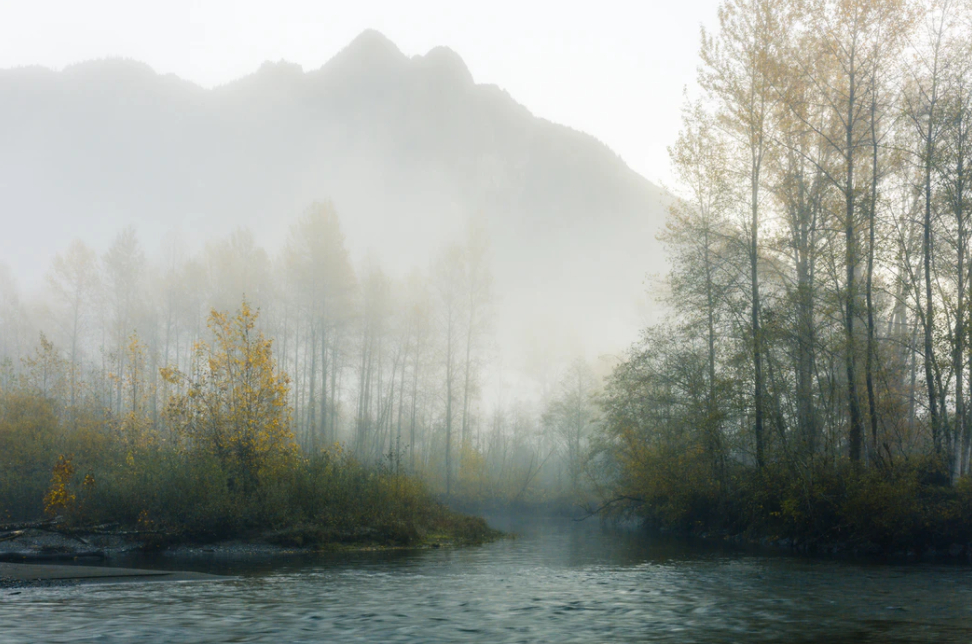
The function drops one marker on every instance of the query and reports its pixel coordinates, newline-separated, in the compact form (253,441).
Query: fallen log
(31,525)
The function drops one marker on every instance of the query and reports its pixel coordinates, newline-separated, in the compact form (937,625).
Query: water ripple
(557,582)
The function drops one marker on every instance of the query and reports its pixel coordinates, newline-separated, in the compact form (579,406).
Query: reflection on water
(559,581)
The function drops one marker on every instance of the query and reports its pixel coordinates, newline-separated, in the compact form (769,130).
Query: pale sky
(612,68)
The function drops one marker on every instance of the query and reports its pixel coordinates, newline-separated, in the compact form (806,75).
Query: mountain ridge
(407,148)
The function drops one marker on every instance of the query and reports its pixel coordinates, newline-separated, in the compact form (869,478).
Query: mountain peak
(446,63)
(370,47)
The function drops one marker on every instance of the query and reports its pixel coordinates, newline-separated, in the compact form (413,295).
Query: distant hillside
(406,148)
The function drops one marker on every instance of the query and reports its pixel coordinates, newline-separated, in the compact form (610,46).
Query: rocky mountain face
(407,149)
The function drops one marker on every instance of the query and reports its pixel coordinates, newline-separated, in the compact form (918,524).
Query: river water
(558,581)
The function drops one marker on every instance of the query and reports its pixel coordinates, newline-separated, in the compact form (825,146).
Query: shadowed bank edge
(14,575)
(34,554)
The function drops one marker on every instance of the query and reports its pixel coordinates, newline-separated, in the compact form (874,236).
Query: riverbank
(163,499)
(14,575)
(221,463)
(906,513)
(558,581)
(823,548)
(53,541)
(34,555)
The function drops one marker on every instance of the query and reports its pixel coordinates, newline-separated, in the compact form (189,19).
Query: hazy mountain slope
(405,148)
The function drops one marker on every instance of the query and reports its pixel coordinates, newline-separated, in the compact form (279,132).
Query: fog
(179,199)
(407,150)
(325,327)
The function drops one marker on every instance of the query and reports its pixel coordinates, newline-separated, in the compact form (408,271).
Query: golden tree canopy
(233,402)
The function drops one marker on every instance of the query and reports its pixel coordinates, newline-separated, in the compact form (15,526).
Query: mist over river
(558,581)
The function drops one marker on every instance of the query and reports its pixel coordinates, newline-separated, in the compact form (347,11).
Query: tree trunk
(869,362)
(756,339)
(959,358)
(857,426)
(448,415)
(312,401)
(926,249)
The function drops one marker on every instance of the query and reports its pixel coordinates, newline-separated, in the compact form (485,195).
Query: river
(558,581)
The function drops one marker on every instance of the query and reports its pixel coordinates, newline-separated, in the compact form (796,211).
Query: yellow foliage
(135,426)
(144,521)
(233,403)
(46,372)
(59,498)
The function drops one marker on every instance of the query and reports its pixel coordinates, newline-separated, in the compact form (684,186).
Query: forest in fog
(814,374)
(358,306)
(807,373)
(121,349)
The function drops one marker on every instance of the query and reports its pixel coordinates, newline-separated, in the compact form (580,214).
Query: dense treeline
(223,463)
(112,358)
(812,378)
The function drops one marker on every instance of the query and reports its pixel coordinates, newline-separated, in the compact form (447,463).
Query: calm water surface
(560,581)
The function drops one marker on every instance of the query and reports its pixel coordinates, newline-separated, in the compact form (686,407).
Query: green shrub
(908,507)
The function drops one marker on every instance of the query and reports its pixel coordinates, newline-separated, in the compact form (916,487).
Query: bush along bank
(905,512)
(166,500)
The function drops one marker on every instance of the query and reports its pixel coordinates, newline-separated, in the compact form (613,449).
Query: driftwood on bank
(57,526)
(52,539)
(28,525)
